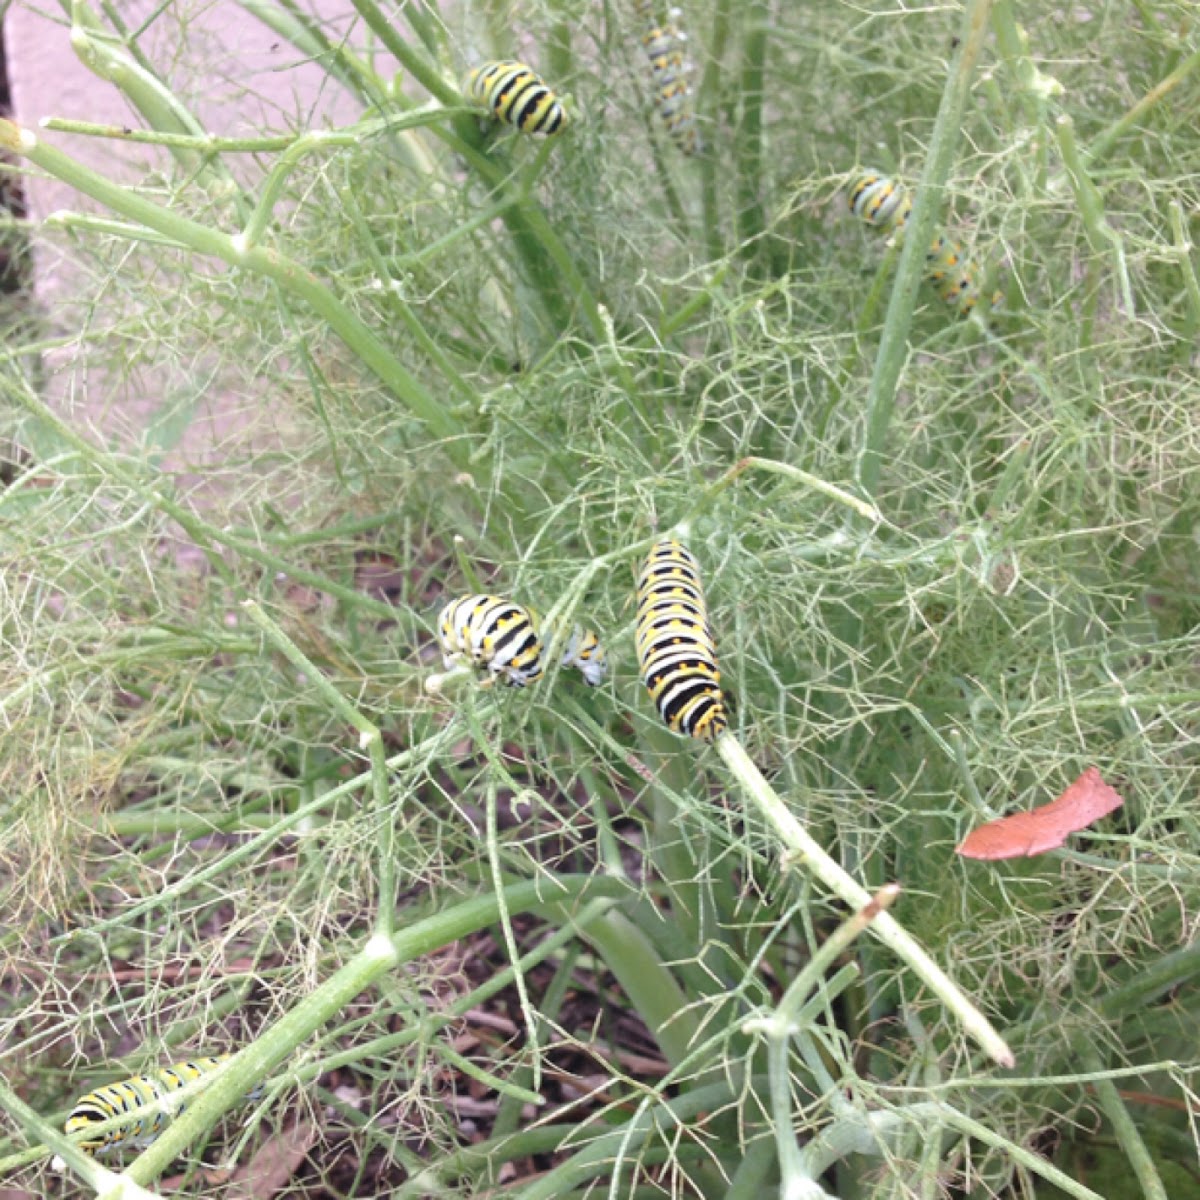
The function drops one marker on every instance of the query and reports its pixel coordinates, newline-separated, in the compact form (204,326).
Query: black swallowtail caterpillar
(956,279)
(675,647)
(516,95)
(880,201)
(663,43)
(583,650)
(115,1099)
(505,639)
(886,204)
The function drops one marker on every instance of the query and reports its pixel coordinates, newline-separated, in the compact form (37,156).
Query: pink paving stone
(233,72)
(238,77)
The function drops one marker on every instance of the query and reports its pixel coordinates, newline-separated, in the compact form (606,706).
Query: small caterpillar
(880,202)
(954,277)
(115,1099)
(584,651)
(663,44)
(675,647)
(505,639)
(516,95)
(885,204)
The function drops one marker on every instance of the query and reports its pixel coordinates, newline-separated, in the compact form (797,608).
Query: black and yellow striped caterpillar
(885,204)
(880,201)
(663,43)
(116,1099)
(584,651)
(505,639)
(517,95)
(675,647)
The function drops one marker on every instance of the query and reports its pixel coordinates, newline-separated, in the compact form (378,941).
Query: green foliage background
(461,358)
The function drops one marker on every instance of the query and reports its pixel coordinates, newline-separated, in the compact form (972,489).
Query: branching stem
(803,851)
